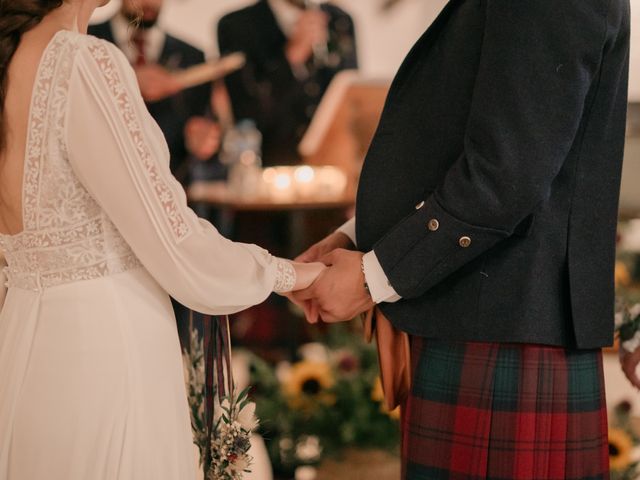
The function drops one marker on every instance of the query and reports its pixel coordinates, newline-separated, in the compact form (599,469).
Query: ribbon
(218,372)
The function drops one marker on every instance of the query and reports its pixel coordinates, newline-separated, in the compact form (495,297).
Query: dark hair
(16,18)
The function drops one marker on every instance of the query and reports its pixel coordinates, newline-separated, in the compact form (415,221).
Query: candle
(281,189)
(304,177)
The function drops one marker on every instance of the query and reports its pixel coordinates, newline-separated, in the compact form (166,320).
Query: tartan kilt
(504,411)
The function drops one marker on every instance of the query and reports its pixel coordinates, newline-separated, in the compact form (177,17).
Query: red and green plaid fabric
(504,412)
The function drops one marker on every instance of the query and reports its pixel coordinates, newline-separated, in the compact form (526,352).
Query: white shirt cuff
(349,229)
(379,286)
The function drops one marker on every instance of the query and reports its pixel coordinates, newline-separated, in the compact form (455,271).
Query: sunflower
(308,384)
(377,395)
(622,275)
(620,445)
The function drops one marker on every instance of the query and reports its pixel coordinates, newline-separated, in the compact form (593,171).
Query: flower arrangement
(624,451)
(224,443)
(231,440)
(327,400)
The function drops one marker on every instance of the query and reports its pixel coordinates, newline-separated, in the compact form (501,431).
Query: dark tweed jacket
(507,119)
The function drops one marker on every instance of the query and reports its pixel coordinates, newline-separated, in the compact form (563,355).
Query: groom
(485,228)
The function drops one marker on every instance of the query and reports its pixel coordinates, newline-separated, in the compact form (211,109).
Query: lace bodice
(98,197)
(66,237)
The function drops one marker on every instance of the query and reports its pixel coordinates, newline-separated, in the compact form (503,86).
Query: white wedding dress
(91,377)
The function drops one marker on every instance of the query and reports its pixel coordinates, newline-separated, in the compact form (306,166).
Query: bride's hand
(306,274)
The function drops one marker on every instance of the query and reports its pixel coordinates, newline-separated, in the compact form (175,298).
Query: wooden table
(218,196)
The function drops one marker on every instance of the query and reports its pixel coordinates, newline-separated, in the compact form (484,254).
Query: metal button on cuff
(420,205)
(464,242)
(433,225)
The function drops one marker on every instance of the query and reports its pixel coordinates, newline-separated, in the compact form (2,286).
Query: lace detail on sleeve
(286,276)
(161,189)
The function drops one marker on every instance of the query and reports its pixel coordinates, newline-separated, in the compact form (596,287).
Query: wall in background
(384,39)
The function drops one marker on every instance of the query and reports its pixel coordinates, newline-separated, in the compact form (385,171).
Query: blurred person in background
(294,49)
(183,115)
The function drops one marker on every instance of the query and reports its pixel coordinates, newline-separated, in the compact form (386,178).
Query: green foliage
(351,419)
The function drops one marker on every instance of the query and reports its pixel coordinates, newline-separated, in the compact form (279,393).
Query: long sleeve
(538,64)
(120,156)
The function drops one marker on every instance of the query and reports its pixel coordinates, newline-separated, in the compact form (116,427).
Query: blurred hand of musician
(202,137)
(156,83)
(312,29)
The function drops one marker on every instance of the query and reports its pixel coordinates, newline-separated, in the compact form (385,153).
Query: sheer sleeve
(119,154)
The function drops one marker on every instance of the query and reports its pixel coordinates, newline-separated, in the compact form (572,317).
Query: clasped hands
(339,292)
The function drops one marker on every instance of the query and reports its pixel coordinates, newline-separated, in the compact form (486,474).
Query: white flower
(247,417)
(217,408)
(314,352)
(634,311)
(633,343)
(286,444)
(306,473)
(283,371)
(308,449)
(186,366)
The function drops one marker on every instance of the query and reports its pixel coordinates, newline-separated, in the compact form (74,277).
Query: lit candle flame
(282,181)
(304,174)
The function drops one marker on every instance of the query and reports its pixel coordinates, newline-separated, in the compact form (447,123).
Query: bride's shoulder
(100,55)
(99,48)
(81,43)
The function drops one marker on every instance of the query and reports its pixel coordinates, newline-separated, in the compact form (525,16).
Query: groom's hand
(325,246)
(339,293)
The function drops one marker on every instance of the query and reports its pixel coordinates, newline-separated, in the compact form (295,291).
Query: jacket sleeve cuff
(428,246)
(379,286)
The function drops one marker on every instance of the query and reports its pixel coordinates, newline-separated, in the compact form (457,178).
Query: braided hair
(16,18)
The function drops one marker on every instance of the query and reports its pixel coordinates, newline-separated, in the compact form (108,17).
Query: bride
(96,235)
